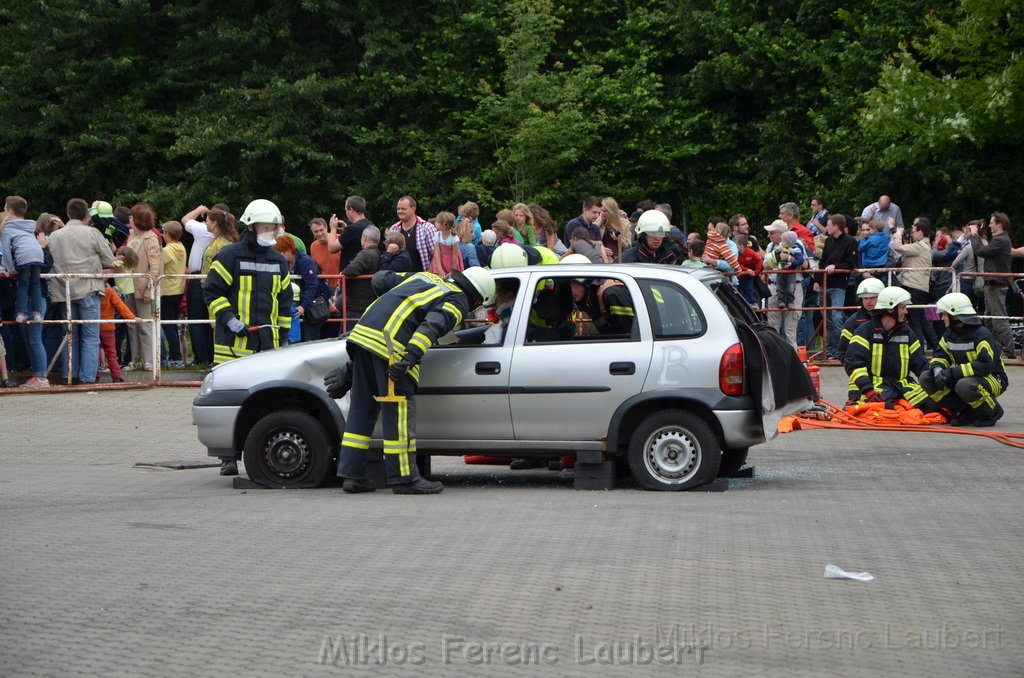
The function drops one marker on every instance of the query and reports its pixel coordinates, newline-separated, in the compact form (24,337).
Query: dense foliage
(713,105)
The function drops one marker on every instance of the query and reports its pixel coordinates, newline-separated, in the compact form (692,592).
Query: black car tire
(673,450)
(733,460)
(288,449)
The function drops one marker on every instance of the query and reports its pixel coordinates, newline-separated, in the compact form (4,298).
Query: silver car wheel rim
(287,453)
(672,455)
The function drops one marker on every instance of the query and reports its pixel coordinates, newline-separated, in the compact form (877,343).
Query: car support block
(595,476)
(375,469)
(746,472)
(240,483)
(590,457)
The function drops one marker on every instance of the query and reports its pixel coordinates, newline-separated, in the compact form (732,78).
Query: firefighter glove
(237,327)
(873,396)
(338,381)
(399,370)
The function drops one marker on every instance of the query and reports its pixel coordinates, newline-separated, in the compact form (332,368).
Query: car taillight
(730,371)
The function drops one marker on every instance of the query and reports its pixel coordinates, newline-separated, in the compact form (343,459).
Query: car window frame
(652,312)
(536,276)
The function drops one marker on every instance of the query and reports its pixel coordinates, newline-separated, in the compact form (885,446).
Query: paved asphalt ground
(110,569)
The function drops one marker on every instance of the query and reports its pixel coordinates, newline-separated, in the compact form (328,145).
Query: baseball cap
(777,226)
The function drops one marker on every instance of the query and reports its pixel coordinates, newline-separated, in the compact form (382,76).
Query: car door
(568,388)
(464,384)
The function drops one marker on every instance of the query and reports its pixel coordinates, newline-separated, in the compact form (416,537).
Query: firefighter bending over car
(966,374)
(387,345)
(884,352)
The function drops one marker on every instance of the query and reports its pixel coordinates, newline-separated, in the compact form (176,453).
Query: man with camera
(997,256)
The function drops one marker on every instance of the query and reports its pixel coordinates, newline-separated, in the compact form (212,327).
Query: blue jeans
(836,318)
(200,333)
(805,328)
(29,294)
(85,339)
(32,335)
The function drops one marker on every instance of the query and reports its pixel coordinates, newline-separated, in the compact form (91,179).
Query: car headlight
(207,387)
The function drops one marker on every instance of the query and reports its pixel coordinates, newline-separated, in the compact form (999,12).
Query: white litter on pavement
(836,572)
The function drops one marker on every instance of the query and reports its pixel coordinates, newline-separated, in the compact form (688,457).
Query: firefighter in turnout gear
(248,291)
(604,302)
(387,344)
(867,292)
(966,375)
(883,353)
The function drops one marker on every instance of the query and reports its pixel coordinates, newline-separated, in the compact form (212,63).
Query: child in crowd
(394,257)
(125,261)
(504,233)
(464,230)
(447,255)
(874,247)
(109,303)
(694,255)
(485,248)
(23,256)
(580,243)
(785,284)
(172,289)
(468,212)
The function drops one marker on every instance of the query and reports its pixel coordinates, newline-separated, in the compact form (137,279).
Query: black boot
(986,417)
(357,485)
(419,486)
(228,467)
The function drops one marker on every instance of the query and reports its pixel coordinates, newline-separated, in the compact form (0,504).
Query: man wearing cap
(103,219)
(966,375)
(884,352)
(776,257)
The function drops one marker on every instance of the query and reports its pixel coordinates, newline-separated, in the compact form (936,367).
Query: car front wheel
(673,450)
(288,449)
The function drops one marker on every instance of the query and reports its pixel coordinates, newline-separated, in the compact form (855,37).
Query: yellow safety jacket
(252,283)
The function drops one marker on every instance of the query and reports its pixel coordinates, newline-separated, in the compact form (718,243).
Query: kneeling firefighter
(387,344)
(966,374)
(883,353)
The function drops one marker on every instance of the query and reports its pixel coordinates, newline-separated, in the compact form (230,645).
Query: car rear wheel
(288,449)
(733,460)
(673,450)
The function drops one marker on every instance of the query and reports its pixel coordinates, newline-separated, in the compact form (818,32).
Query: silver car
(679,395)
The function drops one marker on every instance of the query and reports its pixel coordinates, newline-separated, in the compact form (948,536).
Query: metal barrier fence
(818,331)
(887,275)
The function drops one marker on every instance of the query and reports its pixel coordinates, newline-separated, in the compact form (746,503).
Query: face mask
(266,239)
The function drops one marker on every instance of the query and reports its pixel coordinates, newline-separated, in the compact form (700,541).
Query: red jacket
(805,234)
(109,302)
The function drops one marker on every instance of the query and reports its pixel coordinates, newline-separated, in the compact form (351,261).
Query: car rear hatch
(783,382)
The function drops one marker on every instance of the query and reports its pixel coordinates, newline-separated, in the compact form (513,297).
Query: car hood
(306,362)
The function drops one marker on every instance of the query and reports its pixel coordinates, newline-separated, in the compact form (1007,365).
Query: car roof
(707,276)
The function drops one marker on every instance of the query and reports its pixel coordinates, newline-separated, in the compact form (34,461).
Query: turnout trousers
(369,379)
(977,393)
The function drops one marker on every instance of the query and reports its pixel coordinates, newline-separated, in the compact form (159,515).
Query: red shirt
(805,234)
(750,260)
(329,263)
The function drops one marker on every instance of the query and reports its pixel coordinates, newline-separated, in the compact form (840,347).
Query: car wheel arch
(273,396)
(633,411)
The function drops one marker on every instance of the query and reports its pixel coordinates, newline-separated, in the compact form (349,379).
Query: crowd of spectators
(783,273)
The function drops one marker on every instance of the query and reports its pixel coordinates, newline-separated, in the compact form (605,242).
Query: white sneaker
(36,383)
